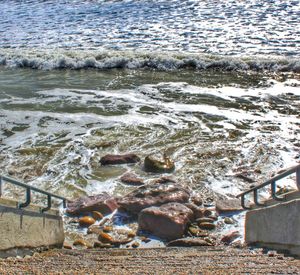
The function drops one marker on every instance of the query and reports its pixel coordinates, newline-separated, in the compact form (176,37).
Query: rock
(80,242)
(195,231)
(202,220)
(105,238)
(135,245)
(198,213)
(196,200)
(97,215)
(153,195)
(131,179)
(103,203)
(224,206)
(227,220)
(165,179)
(213,217)
(187,242)
(145,239)
(156,165)
(167,221)
(230,237)
(119,159)
(107,229)
(207,213)
(207,225)
(131,234)
(102,245)
(118,242)
(86,221)
(67,245)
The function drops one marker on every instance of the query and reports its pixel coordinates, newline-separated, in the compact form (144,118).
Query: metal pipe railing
(29,189)
(272,182)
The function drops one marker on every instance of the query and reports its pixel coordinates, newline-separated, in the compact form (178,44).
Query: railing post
(49,204)
(273,191)
(255,194)
(243,202)
(298,177)
(28,199)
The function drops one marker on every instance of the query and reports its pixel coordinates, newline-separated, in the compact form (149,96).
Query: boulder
(156,165)
(103,203)
(187,242)
(153,195)
(167,221)
(131,179)
(119,159)
(224,206)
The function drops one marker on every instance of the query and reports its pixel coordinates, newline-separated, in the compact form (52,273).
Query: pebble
(105,238)
(102,245)
(207,225)
(135,245)
(203,220)
(228,220)
(86,221)
(107,229)
(97,215)
(80,242)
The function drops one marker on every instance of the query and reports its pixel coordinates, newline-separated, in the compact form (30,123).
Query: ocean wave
(104,60)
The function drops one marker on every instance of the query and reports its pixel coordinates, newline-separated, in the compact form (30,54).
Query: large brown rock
(119,159)
(168,221)
(153,195)
(103,203)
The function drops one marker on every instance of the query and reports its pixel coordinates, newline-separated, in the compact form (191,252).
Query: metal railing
(29,189)
(272,182)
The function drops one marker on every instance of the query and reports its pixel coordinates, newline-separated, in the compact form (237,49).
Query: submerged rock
(153,195)
(103,203)
(119,159)
(187,242)
(228,205)
(156,165)
(167,221)
(131,179)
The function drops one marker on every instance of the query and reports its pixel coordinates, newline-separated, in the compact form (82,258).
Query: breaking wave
(104,60)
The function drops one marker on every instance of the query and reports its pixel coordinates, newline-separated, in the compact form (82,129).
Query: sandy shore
(217,260)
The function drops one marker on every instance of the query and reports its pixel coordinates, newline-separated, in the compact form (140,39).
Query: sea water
(213,84)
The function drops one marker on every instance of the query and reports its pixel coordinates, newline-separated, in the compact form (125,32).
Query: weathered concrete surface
(276,226)
(23,230)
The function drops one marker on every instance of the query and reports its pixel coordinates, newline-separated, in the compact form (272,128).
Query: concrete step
(202,260)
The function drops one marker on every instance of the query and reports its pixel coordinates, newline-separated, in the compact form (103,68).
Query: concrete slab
(276,226)
(24,230)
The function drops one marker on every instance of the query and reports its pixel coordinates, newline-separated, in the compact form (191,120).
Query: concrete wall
(24,230)
(276,226)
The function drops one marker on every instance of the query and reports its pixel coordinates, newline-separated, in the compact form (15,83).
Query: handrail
(30,188)
(272,182)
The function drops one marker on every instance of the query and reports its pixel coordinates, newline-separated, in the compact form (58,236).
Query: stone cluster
(163,208)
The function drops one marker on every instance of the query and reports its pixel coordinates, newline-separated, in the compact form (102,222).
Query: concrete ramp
(25,230)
